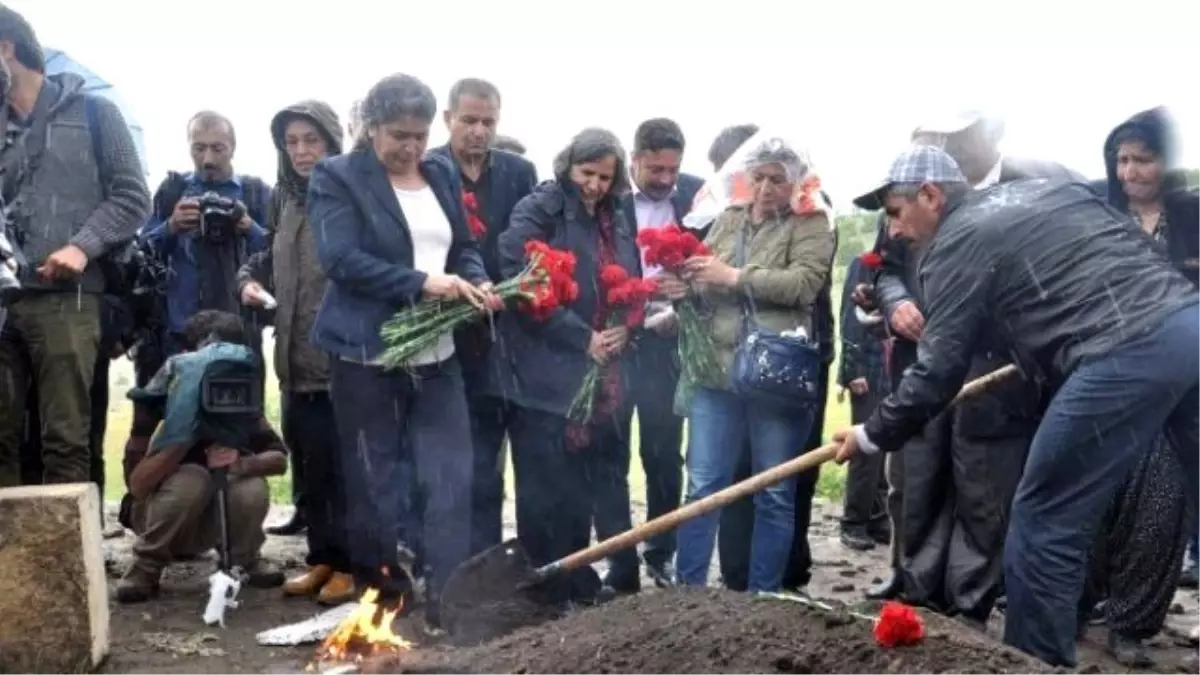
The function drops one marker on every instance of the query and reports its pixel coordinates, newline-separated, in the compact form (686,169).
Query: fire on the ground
(366,633)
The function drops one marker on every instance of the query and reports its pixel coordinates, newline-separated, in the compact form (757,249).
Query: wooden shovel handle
(753,484)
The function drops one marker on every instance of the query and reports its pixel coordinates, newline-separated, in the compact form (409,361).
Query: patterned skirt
(1137,558)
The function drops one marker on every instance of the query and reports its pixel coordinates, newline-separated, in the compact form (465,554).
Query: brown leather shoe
(338,589)
(309,583)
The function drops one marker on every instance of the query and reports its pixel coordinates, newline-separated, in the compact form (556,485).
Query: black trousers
(311,433)
(385,417)
(491,418)
(737,519)
(660,434)
(606,474)
(554,508)
(960,476)
(865,501)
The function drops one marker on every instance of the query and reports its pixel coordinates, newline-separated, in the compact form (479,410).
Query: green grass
(830,486)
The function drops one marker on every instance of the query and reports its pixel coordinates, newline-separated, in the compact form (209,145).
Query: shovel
(495,591)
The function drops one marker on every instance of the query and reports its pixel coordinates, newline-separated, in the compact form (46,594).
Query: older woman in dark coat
(1135,562)
(565,473)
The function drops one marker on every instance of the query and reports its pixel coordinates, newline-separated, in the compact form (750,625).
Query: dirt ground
(714,630)
(695,633)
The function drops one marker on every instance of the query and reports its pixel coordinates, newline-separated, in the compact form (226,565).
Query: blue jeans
(1105,416)
(719,421)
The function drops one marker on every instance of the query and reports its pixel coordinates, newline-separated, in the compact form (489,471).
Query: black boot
(888,589)
(297,525)
(856,537)
(1128,651)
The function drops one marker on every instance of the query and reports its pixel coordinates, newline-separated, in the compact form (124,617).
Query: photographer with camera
(206,224)
(172,504)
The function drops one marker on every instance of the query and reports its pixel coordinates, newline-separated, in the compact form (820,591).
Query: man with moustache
(203,270)
(493,182)
(661,195)
(957,478)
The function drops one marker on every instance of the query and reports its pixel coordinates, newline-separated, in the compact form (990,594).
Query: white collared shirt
(652,213)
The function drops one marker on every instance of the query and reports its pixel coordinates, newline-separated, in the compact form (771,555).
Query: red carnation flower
(871,260)
(898,625)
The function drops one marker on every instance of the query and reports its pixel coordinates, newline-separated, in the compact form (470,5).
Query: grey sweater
(63,201)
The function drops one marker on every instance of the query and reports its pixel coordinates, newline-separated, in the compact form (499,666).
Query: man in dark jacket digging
(1062,281)
(955,482)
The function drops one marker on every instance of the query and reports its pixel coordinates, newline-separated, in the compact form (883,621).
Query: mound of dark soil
(716,631)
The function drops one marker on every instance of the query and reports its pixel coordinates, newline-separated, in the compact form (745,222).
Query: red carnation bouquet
(625,299)
(871,260)
(898,625)
(669,247)
(546,283)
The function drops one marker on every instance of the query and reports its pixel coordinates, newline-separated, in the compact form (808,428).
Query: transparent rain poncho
(731,185)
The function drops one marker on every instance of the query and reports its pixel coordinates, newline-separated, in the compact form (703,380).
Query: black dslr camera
(219,217)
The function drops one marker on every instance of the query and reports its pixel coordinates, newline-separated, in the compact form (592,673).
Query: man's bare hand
(221,457)
(252,294)
(67,262)
(186,215)
(864,297)
(858,386)
(849,445)
(907,320)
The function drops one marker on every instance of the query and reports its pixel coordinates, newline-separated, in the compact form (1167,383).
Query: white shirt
(652,214)
(431,238)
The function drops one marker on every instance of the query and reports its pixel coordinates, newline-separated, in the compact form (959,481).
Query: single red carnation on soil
(898,625)
(871,260)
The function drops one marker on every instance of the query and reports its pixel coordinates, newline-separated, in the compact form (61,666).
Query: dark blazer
(366,250)
(549,358)
(510,178)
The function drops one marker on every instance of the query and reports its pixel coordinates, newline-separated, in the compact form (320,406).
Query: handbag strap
(745,298)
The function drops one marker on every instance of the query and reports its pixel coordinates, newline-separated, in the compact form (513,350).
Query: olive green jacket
(787,259)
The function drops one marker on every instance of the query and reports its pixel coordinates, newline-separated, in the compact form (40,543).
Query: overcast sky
(850,78)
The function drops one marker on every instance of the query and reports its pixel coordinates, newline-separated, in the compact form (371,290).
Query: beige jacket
(787,259)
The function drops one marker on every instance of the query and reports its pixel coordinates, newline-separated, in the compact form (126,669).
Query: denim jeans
(1103,418)
(719,420)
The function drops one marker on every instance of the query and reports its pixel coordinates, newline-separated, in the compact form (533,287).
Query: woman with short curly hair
(391,231)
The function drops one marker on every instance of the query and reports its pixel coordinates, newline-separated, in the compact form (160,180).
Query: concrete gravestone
(53,591)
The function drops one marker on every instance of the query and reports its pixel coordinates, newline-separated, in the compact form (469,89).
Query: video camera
(231,402)
(219,217)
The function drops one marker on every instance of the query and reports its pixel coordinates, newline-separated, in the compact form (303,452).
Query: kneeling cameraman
(171,503)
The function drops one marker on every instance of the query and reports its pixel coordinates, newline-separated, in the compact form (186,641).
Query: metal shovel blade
(492,594)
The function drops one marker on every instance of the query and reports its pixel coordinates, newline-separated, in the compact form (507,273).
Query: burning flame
(365,633)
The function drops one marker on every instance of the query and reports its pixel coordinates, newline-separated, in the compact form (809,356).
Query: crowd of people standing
(398,475)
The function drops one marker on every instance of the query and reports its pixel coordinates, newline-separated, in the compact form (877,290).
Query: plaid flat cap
(917,165)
